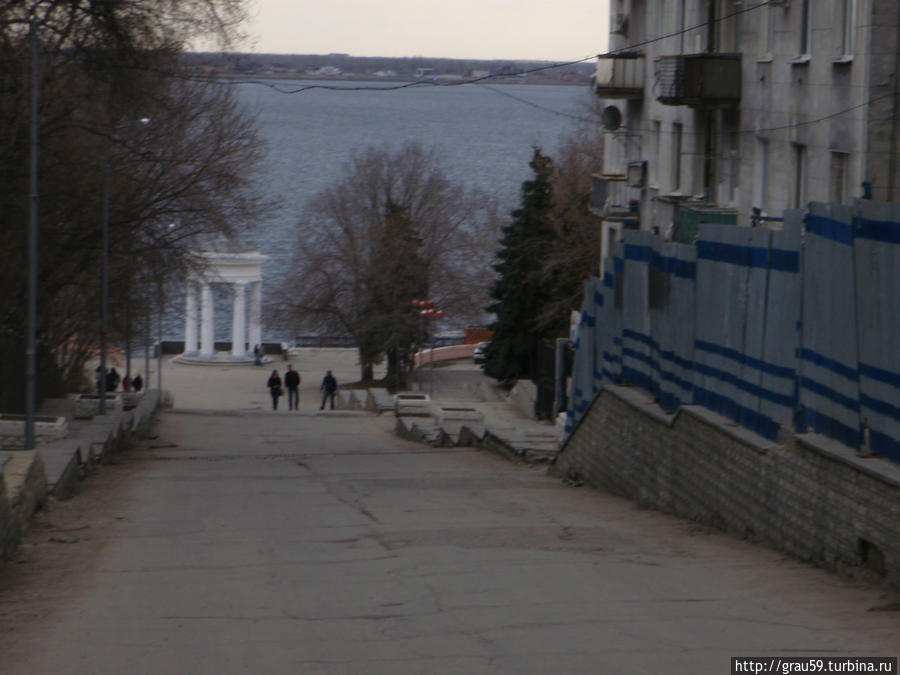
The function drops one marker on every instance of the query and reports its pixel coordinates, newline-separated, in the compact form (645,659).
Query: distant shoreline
(440,82)
(344,68)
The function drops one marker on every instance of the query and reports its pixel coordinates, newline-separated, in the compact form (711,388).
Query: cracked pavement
(307,543)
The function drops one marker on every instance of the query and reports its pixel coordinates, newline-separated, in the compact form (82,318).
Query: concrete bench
(87,406)
(412,404)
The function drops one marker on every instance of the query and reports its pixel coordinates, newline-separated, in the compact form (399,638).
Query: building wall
(787,98)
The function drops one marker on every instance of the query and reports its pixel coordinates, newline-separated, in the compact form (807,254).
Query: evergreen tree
(520,296)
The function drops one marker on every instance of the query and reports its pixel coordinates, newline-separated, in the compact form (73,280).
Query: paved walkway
(249,541)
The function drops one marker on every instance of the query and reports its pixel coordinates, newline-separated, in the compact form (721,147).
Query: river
(483,134)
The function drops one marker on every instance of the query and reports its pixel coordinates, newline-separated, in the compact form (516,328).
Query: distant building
(742,111)
(328,71)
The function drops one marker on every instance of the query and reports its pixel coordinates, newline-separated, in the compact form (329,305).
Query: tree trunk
(366,369)
(396,372)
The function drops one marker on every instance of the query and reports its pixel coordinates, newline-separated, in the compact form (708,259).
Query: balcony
(619,76)
(613,199)
(698,80)
(690,215)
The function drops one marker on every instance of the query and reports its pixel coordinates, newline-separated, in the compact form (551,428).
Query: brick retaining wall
(808,496)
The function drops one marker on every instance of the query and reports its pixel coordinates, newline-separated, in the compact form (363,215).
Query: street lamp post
(31,329)
(104,282)
(104,266)
(427,311)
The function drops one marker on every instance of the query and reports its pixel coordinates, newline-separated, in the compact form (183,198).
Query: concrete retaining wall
(809,496)
(437,354)
(26,477)
(46,429)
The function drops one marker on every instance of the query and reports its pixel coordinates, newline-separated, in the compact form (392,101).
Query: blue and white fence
(797,328)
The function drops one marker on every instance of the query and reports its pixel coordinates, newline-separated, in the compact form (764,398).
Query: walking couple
(291,382)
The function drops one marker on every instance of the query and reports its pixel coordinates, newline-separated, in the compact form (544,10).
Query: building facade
(725,111)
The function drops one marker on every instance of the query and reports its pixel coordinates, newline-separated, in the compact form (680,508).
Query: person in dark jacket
(137,383)
(112,381)
(274,385)
(292,382)
(329,387)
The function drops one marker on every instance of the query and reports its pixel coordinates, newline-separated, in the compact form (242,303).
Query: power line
(490,76)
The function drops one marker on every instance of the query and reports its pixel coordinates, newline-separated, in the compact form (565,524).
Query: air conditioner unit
(637,174)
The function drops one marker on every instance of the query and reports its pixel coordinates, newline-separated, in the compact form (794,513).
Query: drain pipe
(895,123)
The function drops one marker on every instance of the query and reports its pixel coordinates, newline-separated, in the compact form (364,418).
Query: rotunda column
(239,323)
(190,318)
(256,314)
(207,325)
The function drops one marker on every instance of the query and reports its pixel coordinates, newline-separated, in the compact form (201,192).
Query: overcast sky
(553,30)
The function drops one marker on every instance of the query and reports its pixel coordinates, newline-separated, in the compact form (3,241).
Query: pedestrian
(137,383)
(99,378)
(112,381)
(274,385)
(329,387)
(257,355)
(292,382)
(126,383)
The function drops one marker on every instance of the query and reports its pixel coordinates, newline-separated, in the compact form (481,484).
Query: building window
(799,200)
(766,17)
(839,164)
(845,27)
(729,26)
(676,157)
(654,160)
(731,142)
(805,28)
(761,196)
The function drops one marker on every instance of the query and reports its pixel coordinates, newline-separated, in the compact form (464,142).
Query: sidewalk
(489,420)
(504,428)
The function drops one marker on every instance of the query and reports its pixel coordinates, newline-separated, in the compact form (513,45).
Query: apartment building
(730,112)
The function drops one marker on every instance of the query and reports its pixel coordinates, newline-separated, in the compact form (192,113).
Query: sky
(551,30)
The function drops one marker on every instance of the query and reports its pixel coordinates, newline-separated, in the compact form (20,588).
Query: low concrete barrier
(458,414)
(87,406)
(412,404)
(379,400)
(46,429)
(426,356)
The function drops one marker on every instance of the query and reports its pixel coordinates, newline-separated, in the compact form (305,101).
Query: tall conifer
(518,290)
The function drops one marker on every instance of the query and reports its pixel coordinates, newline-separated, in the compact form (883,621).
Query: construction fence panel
(671,303)
(876,247)
(723,260)
(827,360)
(600,301)
(583,367)
(637,352)
(609,332)
(619,305)
(782,336)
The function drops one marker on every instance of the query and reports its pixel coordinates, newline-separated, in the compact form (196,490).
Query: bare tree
(103,65)
(393,229)
(574,254)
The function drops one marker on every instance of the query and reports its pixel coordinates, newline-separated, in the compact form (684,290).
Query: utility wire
(483,78)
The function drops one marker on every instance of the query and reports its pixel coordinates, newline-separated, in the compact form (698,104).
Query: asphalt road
(261,542)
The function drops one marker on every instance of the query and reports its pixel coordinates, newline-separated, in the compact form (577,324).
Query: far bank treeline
(395,229)
(112,92)
(374,67)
